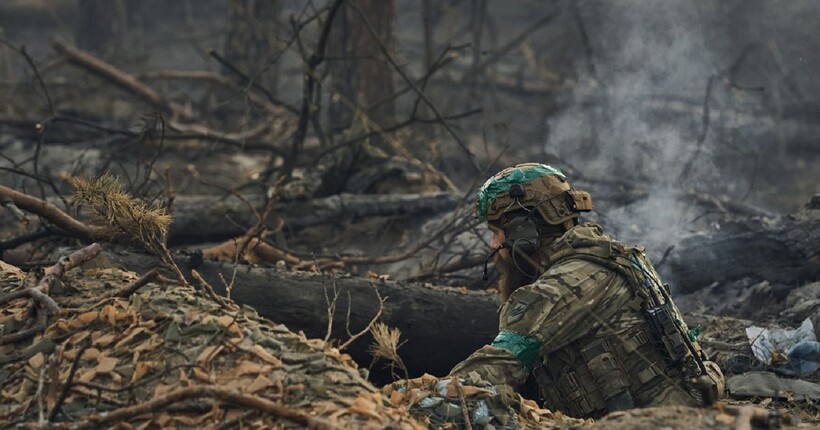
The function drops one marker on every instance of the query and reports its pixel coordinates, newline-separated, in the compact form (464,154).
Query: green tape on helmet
(499,184)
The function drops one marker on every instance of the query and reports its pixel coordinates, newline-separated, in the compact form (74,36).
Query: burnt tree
(251,45)
(101,25)
(361,76)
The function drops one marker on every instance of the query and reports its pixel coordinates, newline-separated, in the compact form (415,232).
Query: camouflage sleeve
(564,304)
(561,306)
(494,364)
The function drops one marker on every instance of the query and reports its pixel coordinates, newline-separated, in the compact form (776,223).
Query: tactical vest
(604,371)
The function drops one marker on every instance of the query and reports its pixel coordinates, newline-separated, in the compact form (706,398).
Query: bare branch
(40,301)
(112,74)
(157,404)
(309,87)
(50,212)
(369,325)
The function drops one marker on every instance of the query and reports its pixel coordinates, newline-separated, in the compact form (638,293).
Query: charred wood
(433,320)
(787,253)
(209,218)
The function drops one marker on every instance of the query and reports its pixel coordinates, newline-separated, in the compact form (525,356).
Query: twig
(42,303)
(22,51)
(237,139)
(202,75)
(142,382)
(75,259)
(112,74)
(209,290)
(256,231)
(331,306)
(704,131)
(20,215)
(392,128)
(465,262)
(134,85)
(513,43)
(370,324)
(229,285)
(165,256)
(170,194)
(245,400)
(252,83)
(35,295)
(187,132)
(67,385)
(307,91)
(41,404)
(139,283)
(150,123)
(665,256)
(464,413)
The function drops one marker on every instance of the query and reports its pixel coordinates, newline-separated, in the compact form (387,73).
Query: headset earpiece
(522,235)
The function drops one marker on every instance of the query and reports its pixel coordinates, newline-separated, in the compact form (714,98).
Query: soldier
(587,315)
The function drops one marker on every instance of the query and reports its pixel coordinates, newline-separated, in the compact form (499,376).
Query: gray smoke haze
(637,113)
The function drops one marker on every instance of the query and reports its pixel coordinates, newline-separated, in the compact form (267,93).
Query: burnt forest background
(357,133)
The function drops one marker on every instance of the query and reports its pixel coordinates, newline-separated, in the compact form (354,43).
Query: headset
(523,236)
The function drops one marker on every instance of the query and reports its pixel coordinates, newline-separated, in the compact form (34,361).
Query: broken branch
(245,400)
(50,212)
(40,301)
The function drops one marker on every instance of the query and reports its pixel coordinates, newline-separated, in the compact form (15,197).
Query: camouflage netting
(168,357)
(441,403)
(167,338)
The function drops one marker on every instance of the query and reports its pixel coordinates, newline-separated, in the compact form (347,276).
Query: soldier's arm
(560,307)
(494,364)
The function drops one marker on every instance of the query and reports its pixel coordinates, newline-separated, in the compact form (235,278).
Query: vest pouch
(576,400)
(665,331)
(610,378)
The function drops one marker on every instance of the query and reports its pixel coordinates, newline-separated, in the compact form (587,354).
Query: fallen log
(200,219)
(441,325)
(204,218)
(786,252)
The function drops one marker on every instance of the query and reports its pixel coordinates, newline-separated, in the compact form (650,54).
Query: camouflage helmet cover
(531,185)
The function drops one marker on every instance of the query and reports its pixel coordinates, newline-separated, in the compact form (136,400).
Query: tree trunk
(362,79)
(101,26)
(251,44)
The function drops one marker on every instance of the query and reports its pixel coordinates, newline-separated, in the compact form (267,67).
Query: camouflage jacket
(577,319)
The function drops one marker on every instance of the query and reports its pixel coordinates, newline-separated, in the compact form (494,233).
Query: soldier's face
(510,276)
(499,237)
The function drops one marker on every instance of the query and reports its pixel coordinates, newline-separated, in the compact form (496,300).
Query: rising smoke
(683,99)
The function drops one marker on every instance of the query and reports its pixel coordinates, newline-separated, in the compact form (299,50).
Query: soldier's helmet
(531,186)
